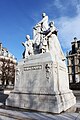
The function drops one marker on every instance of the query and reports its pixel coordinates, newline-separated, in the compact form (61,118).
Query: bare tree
(7,72)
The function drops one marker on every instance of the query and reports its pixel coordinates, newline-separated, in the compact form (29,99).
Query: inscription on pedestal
(37,67)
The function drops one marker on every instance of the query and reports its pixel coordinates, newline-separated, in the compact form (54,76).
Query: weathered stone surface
(41,84)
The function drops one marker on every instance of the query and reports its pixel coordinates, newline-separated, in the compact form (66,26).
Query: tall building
(7,68)
(73,62)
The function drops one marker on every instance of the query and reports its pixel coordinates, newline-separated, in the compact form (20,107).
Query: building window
(73,48)
(78,45)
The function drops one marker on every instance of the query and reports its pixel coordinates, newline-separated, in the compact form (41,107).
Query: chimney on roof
(75,40)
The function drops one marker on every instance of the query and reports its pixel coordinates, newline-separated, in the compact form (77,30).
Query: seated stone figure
(44,22)
(40,27)
(28,47)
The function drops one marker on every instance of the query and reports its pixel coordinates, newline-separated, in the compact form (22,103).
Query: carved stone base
(41,84)
(55,103)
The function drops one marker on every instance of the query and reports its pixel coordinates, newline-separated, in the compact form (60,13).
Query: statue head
(75,38)
(27,37)
(43,15)
(51,23)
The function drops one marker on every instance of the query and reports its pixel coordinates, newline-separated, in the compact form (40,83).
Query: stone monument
(41,81)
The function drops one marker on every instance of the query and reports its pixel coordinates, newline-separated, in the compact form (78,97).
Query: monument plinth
(41,81)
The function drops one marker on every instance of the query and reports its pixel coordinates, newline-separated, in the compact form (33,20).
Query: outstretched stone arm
(23,43)
(52,31)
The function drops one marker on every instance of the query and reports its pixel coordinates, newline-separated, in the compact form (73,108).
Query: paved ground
(17,115)
(8,114)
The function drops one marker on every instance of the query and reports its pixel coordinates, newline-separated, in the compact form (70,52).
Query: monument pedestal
(42,85)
